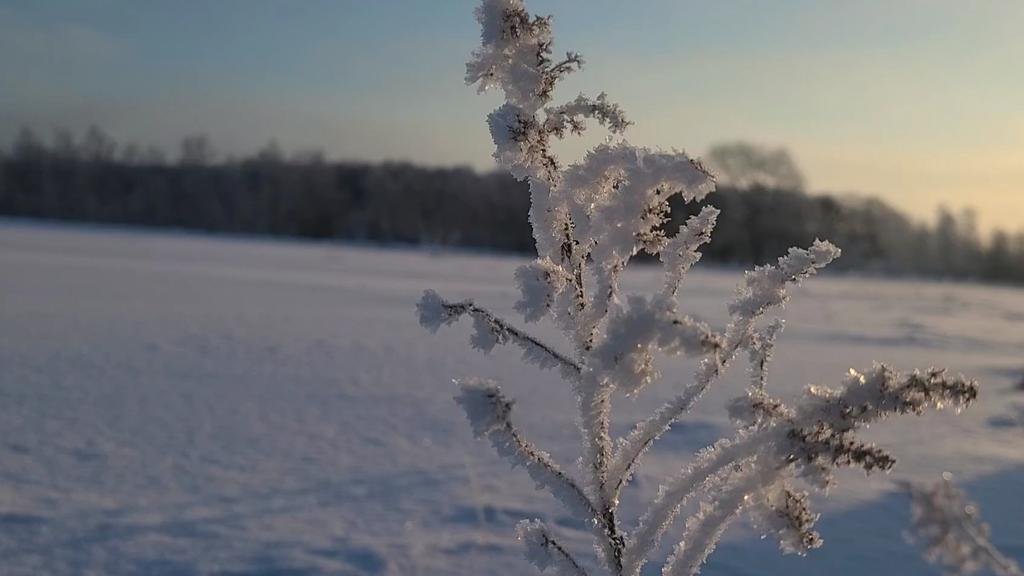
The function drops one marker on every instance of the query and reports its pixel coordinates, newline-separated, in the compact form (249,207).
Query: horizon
(910,103)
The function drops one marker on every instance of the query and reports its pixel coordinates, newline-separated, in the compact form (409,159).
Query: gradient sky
(920,102)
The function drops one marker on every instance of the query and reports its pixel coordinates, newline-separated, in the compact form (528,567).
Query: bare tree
(746,165)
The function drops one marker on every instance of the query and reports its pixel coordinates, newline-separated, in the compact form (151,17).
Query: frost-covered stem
(573,568)
(545,552)
(545,472)
(705,529)
(569,117)
(710,468)
(762,345)
(681,252)
(570,259)
(489,413)
(700,540)
(595,405)
(572,60)
(639,440)
(816,438)
(615,541)
(595,409)
(581,332)
(762,290)
(643,435)
(605,293)
(435,311)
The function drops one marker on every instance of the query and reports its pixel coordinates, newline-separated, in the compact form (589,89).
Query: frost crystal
(786,513)
(488,411)
(589,219)
(432,311)
(540,284)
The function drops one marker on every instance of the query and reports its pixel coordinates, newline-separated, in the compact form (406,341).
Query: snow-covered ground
(176,404)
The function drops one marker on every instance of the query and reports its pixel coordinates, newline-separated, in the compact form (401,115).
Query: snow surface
(184,404)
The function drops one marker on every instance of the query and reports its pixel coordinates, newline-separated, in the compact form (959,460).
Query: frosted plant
(589,219)
(951,530)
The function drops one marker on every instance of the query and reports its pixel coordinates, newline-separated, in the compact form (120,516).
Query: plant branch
(489,413)
(545,552)
(491,330)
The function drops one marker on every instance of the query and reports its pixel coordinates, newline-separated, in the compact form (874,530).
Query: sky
(919,102)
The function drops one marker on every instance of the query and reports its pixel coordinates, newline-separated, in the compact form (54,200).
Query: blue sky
(920,102)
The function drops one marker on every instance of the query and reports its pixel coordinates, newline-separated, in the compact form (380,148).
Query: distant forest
(94,179)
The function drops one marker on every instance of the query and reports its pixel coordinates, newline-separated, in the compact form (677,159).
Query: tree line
(94,179)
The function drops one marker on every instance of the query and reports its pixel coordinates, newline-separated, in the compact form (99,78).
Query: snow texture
(186,404)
